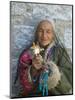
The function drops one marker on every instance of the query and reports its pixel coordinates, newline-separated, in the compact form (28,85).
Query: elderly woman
(52,57)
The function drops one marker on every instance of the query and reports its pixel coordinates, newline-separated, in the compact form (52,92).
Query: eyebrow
(42,29)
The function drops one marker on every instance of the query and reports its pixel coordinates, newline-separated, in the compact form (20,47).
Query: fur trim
(54,79)
(47,50)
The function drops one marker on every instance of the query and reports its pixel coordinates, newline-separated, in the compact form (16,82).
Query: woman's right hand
(37,62)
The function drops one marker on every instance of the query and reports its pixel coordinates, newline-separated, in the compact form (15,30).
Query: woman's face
(45,33)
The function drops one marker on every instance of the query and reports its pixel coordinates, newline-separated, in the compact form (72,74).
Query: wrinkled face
(45,33)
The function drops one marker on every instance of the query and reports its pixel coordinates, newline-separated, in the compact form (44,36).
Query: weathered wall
(24,19)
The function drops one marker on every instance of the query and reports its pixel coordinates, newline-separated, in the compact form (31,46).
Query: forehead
(45,25)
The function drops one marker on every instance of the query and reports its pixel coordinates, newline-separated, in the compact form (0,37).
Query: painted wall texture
(24,18)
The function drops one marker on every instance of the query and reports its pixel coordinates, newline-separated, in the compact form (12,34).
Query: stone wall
(24,18)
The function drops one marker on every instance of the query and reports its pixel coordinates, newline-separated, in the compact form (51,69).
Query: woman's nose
(44,33)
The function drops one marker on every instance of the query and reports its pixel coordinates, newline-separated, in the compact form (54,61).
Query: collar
(48,48)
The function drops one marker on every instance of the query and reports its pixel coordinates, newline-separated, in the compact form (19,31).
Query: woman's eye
(40,30)
(48,31)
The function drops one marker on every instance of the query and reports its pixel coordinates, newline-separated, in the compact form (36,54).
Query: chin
(44,44)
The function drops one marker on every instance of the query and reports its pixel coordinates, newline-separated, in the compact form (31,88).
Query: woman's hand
(37,62)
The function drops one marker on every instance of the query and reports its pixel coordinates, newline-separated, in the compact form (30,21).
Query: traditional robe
(59,82)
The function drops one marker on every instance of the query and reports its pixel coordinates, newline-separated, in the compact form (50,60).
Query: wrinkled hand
(37,61)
